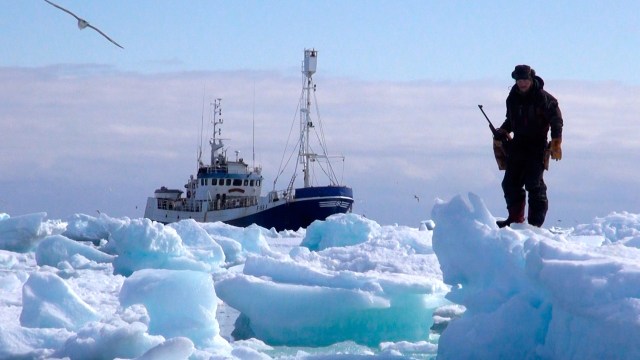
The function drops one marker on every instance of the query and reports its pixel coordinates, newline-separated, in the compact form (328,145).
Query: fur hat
(523,72)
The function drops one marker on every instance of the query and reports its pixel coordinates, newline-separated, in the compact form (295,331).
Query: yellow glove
(556,149)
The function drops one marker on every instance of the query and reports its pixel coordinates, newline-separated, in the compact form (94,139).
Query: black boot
(538,206)
(537,214)
(516,215)
(503,223)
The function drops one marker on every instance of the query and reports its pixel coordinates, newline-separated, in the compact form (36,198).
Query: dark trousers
(525,169)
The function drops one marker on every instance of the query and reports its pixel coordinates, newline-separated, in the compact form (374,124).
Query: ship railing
(180,205)
(213,169)
(232,203)
(170,204)
(198,205)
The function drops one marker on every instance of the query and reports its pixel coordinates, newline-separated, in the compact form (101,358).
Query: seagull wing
(63,9)
(84,22)
(103,34)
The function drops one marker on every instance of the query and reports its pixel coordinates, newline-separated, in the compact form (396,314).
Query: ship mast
(217,120)
(305,155)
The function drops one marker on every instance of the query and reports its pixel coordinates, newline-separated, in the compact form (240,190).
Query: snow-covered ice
(455,286)
(532,293)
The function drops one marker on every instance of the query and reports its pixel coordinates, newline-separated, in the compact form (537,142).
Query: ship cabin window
(237,182)
(228,182)
(258,182)
(214,182)
(251,183)
(246,182)
(201,182)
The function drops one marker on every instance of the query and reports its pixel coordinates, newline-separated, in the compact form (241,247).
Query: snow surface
(349,288)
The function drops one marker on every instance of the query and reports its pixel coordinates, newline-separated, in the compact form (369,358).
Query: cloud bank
(87,138)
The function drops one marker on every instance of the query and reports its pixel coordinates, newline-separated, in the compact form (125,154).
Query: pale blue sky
(88,126)
(365,39)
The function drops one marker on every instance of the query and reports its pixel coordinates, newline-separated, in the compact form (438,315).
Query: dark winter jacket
(531,115)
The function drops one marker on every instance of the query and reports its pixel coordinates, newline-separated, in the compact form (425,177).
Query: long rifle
(495,132)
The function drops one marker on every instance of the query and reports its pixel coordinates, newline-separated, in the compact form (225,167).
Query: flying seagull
(82,23)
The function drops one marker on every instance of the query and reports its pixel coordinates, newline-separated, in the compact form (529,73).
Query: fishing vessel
(229,190)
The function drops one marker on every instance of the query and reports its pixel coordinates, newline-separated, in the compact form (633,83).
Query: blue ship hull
(308,205)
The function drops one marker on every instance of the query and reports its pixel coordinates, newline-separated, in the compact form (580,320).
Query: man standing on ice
(531,112)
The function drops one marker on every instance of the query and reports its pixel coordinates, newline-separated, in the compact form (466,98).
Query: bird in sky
(417,197)
(82,23)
